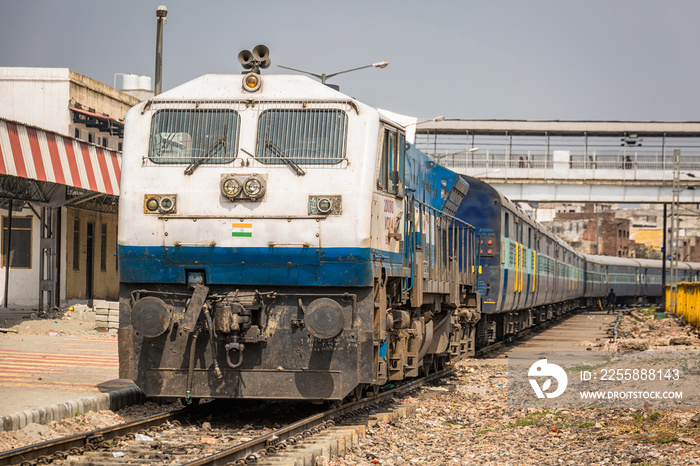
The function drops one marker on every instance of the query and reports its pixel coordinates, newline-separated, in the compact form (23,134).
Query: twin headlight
(243,187)
(160,203)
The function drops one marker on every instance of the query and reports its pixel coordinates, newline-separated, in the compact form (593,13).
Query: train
(281,240)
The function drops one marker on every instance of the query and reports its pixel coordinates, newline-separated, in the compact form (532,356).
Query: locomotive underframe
(260,348)
(265,344)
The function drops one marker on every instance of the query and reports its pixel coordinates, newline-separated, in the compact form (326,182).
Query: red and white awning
(31,152)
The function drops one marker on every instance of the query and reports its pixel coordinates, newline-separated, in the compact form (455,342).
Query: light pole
(161,13)
(323,76)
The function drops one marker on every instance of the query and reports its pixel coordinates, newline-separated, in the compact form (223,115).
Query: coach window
(392,162)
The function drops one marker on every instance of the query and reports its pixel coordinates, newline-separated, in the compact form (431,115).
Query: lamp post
(161,13)
(323,76)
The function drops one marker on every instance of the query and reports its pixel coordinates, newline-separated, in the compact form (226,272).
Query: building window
(120,147)
(76,244)
(20,243)
(90,137)
(77,133)
(103,247)
(105,142)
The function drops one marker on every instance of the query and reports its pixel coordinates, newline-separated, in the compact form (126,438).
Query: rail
(245,453)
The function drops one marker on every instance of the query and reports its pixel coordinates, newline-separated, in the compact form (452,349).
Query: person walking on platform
(612,301)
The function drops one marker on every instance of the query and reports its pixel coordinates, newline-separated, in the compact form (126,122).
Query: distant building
(592,232)
(60,133)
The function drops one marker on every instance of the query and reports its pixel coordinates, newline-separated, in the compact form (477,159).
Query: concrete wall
(23,287)
(36,96)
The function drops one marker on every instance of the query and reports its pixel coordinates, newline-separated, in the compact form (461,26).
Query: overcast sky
(516,59)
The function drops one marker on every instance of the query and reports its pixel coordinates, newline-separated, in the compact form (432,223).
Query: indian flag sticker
(242,229)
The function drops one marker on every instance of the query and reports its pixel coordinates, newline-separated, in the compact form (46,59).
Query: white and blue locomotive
(281,240)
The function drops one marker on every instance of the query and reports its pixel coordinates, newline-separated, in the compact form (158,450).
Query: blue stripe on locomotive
(253,266)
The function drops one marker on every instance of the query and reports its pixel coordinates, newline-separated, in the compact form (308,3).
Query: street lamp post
(323,76)
(161,13)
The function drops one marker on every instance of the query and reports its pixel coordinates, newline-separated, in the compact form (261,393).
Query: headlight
(159,204)
(254,187)
(243,187)
(230,187)
(325,205)
(167,204)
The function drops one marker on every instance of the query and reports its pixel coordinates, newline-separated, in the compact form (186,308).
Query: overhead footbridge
(571,161)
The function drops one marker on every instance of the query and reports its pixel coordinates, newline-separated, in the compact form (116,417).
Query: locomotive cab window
(302,137)
(392,162)
(204,136)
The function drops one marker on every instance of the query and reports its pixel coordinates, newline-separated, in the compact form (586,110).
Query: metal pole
(663,262)
(7,254)
(161,13)
(675,231)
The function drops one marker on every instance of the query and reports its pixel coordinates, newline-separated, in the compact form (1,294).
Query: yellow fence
(688,302)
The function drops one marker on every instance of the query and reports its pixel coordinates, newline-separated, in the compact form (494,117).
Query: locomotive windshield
(204,136)
(302,137)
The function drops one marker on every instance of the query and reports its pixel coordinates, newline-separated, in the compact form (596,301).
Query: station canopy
(52,170)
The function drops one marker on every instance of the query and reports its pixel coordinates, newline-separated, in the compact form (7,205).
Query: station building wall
(91,236)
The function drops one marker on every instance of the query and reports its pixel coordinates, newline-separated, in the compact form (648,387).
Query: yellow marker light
(251,82)
(152,204)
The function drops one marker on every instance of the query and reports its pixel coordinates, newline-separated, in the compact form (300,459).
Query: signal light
(251,82)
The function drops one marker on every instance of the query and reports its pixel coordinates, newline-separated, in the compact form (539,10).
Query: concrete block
(55,412)
(80,308)
(22,420)
(329,446)
(100,303)
(14,421)
(114,305)
(338,443)
(350,436)
(277,461)
(88,316)
(102,403)
(307,452)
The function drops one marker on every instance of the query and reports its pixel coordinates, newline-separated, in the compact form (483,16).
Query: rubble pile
(471,423)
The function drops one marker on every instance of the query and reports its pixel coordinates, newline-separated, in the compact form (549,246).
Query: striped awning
(34,153)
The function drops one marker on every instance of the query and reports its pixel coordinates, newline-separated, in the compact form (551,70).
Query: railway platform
(587,325)
(51,369)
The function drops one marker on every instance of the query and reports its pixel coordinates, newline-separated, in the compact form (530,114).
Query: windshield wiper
(283,157)
(206,155)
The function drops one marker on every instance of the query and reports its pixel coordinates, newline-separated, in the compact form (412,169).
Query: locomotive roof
(274,87)
(477,184)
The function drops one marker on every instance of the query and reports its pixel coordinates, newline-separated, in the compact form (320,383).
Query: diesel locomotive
(281,240)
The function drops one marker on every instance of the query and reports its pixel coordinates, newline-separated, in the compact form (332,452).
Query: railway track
(184,437)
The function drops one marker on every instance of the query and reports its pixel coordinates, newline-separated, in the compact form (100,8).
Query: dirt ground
(62,322)
(470,422)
